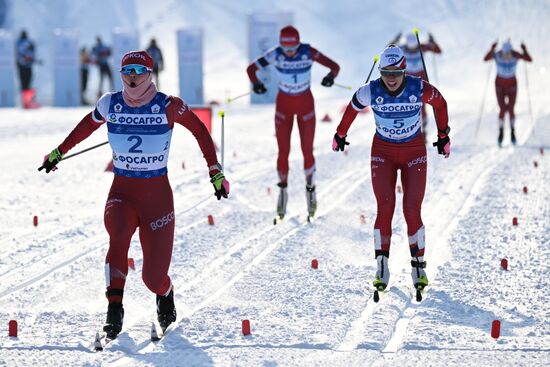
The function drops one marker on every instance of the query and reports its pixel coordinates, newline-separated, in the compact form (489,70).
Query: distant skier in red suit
(293,61)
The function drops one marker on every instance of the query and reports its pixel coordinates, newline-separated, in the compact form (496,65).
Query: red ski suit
(505,82)
(144,203)
(298,103)
(389,157)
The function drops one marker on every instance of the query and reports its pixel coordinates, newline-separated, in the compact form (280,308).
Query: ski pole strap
(418,264)
(381,252)
(114,292)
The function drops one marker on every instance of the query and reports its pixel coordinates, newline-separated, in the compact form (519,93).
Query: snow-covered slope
(243,267)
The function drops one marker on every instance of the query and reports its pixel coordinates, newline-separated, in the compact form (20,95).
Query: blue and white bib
(506,67)
(139,136)
(294,73)
(397,118)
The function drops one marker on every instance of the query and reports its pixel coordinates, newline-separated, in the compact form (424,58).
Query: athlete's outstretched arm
(178,112)
(84,129)
(90,123)
(491,54)
(525,56)
(325,61)
(359,101)
(431,95)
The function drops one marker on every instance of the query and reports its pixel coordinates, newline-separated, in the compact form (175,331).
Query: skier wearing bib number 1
(292,61)
(396,100)
(139,121)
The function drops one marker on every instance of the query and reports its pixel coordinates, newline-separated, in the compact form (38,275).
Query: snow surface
(243,267)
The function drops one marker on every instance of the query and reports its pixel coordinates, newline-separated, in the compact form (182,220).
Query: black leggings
(25,76)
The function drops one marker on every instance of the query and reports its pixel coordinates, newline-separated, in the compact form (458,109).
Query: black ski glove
(328,81)
(51,160)
(339,143)
(443,145)
(221,185)
(259,88)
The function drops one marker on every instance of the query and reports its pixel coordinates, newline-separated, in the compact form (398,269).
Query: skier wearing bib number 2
(396,100)
(140,121)
(293,61)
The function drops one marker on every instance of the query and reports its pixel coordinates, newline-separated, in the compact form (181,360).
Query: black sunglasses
(394,73)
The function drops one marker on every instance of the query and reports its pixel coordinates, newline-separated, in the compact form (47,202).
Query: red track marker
(495,329)
(314,264)
(131,263)
(504,264)
(35,220)
(525,189)
(515,221)
(12,326)
(246,327)
(210,219)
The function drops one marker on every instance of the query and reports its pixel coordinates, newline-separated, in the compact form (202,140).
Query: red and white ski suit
(506,82)
(140,197)
(397,145)
(294,98)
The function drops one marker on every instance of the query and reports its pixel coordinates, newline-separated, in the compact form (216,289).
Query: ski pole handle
(376,58)
(229,100)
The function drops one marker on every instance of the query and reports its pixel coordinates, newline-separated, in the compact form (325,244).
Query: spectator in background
(25,60)
(100,55)
(84,71)
(156,54)
(25,56)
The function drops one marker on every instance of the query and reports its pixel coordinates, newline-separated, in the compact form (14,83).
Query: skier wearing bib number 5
(139,121)
(396,100)
(293,61)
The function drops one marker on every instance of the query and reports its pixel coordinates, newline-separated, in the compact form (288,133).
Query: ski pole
(85,150)
(77,153)
(222,115)
(376,57)
(483,101)
(229,100)
(528,95)
(348,87)
(415,31)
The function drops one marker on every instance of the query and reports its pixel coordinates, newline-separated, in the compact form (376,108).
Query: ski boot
(115,316)
(420,280)
(382,276)
(311,201)
(282,200)
(500,136)
(166,310)
(513,136)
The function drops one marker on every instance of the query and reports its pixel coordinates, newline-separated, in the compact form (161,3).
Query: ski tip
(154,334)
(418,295)
(98,345)
(278,219)
(376,296)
